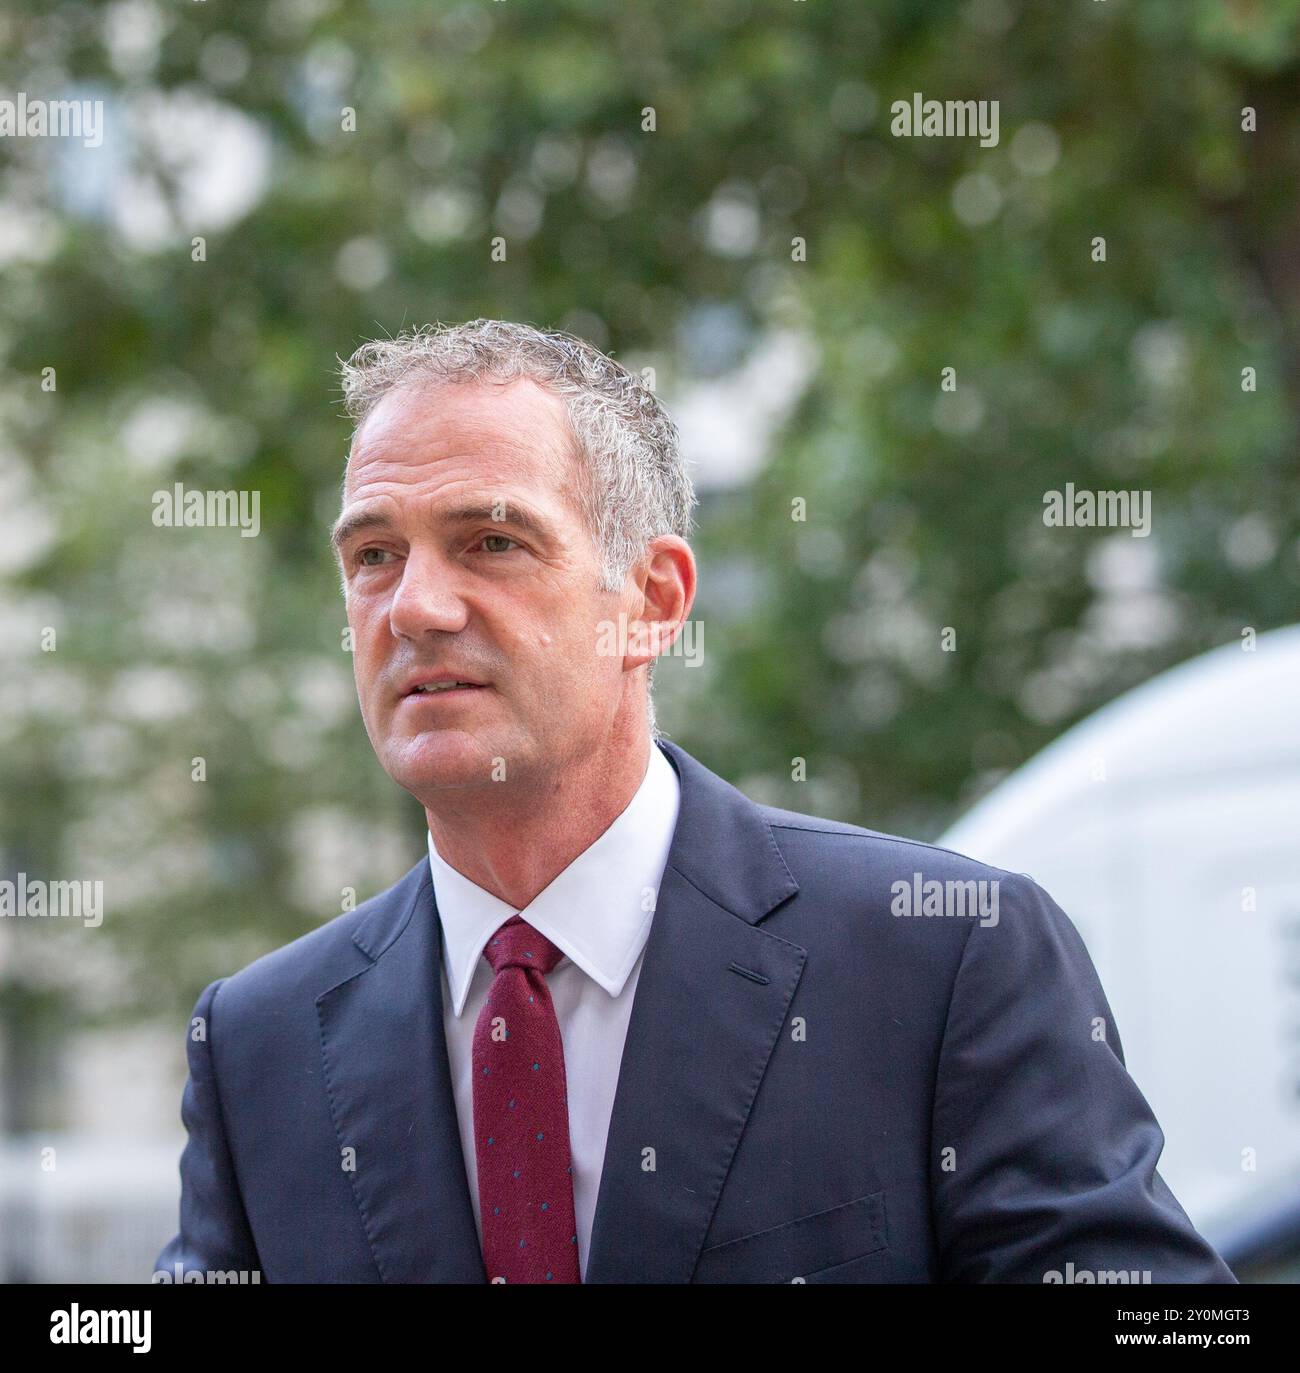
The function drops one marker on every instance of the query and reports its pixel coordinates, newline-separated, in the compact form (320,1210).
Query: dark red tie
(521,1116)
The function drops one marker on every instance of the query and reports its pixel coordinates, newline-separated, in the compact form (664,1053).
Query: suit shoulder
(316,960)
(849,843)
(869,881)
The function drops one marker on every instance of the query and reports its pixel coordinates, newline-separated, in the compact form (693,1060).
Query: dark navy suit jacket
(812,1087)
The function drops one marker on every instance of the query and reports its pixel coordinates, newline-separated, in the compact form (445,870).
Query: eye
(364,556)
(504,539)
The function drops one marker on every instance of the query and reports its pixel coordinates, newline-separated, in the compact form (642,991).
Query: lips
(440,687)
(439,684)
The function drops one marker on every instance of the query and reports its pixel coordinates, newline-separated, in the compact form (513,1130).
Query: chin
(439,758)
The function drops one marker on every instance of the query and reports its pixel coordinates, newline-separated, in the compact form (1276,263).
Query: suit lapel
(390,1094)
(711,1001)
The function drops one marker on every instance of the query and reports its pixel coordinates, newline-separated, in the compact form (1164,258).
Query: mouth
(436,688)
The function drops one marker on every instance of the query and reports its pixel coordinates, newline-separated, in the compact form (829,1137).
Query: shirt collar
(597,911)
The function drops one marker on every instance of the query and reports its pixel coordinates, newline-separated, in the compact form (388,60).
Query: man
(621,1024)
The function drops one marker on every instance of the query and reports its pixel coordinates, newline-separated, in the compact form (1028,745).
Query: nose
(426,599)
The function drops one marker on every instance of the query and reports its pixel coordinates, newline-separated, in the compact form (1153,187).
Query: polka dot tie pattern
(521,1116)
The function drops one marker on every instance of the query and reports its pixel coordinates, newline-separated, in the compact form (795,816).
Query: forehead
(494,431)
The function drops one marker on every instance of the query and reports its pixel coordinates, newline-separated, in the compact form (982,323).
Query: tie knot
(517,945)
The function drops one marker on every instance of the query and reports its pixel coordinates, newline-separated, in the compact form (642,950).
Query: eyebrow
(346,527)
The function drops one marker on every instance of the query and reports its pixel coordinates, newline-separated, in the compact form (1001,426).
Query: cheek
(551,657)
(369,649)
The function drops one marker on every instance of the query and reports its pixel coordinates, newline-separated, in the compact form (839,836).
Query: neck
(518,844)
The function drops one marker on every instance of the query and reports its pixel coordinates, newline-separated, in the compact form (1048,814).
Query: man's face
(465,555)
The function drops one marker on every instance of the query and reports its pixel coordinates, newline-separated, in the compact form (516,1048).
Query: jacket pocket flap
(799,1247)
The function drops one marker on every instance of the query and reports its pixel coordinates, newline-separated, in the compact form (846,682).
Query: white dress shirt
(598,913)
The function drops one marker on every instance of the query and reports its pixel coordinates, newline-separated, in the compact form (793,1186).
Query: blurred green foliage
(671,248)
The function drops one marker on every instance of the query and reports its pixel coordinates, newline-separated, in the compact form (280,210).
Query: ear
(665,591)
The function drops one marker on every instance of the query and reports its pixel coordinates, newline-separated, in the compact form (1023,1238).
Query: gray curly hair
(634,484)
